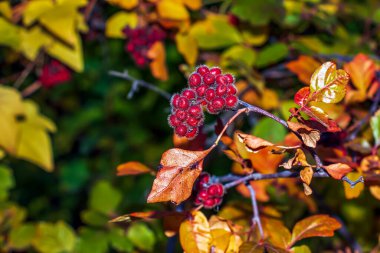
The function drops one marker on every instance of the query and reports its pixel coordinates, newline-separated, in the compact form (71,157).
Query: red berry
(219,190)
(215,71)
(218,201)
(208,79)
(231,101)
(193,122)
(202,102)
(221,90)
(197,202)
(181,130)
(173,120)
(183,103)
(204,178)
(189,94)
(202,195)
(195,80)
(209,203)
(202,70)
(230,78)
(218,103)
(174,100)
(231,90)
(192,133)
(181,115)
(211,109)
(210,94)
(221,80)
(201,90)
(195,111)
(212,190)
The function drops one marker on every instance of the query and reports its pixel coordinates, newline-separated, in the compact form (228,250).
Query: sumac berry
(202,70)
(208,79)
(195,80)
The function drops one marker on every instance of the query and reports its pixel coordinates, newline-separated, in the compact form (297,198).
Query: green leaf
(269,130)
(375,126)
(271,54)
(258,12)
(238,54)
(74,174)
(301,249)
(215,32)
(104,198)
(6,182)
(94,218)
(91,241)
(54,238)
(22,236)
(119,240)
(141,236)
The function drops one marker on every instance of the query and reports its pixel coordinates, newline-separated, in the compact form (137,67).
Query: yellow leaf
(34,9)
(116,23)
(2,154)
(279,235)
(193,4)
(81,23)
(195,234)
(72,57)
(257,37)
(375,191)
(187,46)
(171,9)
(269,100)
(353,192)
(125,4)
(32,40)
(34,142)
(234,244)
(10,34)
(10,107)
(220,233)
(307,175)
(158,65)
(5,9)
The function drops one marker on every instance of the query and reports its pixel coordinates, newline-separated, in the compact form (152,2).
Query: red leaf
(301,97)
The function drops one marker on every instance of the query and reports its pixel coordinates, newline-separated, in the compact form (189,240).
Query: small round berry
(210,94)
(231,101)
(183,103)
(208,79)
(192,133)
(181,115)
(174,100)
(219,190)
(195,111)
(218,103)
(201,90)
(221,90)
(204,178)
(195,80)
(211,109)
(202,70)
(197,202)
(230,78)
(221,80)
(231,89)
(202,195)
(189,94)
(193,122)
(215,71)
(202,101)
(181,130)
(173,120)
(218,201)
(209,203)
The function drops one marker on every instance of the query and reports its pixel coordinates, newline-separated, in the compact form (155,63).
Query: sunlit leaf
(316,225)
(306,175)
(278,234)
(299,159)
(21,237)
(353,192)
(328,84)
(158,64)
(375,191)
(141,236)
(309,136)
(125,4)
(195,234)
(170,9)
(133,168)
(302,96)
(10,34)
(238,54)
(301,249)
(193,4)
(220,233)
(375,126)
(117,22)
(174,181)
(337,170)
(253,143)
(187,46)
(32,41)
(271,54)
(5,9)
(303,67)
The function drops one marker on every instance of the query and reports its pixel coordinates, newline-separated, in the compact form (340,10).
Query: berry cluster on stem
(209,194)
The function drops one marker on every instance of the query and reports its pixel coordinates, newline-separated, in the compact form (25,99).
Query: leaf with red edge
(362,71)
(174,181)
(321,117)
(302,96)
(133,168)
(337,170)
(316,225)
(303,67)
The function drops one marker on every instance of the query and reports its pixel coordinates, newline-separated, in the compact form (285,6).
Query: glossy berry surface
(208,193)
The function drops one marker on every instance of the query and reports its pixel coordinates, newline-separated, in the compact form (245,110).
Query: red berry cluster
(54,73)
(140,40)
(209,194)
(208,88)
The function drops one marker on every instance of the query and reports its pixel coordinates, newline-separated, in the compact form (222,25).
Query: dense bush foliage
(86,135)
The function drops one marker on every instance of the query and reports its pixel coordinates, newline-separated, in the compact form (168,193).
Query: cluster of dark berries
(208,88)
(54,73)
(208,194)
(139,41)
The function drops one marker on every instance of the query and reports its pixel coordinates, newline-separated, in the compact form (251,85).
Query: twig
(256,217)
(136,83)
(31,89)
(25,73)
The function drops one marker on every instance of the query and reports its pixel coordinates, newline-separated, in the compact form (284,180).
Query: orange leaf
(353,192)
(174,181)
(316,225)
(306,175)
(337,170)
(362,71)
(375,191)
(133,168)
(299,159)
(252,143)
(278,234)
(321,117)
(195,234)
(158,65)
(309,136)
(303,67)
